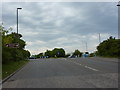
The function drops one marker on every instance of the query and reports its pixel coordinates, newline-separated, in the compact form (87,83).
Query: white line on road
(84,66)
(91,68)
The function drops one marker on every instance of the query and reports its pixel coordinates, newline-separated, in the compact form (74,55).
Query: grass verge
(11,67)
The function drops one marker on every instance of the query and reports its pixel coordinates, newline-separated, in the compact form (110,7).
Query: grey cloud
(62,24)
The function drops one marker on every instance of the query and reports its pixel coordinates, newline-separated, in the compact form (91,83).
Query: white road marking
(84,66)
(91,68)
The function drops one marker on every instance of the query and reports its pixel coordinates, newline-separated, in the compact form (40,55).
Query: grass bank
(11,67)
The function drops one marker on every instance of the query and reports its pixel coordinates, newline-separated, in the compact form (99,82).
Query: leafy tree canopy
(77,53)
(109,47)
(9,53)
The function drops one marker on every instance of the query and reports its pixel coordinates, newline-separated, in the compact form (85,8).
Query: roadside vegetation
(109,48)
(11,67)
(13,57)
(58,53)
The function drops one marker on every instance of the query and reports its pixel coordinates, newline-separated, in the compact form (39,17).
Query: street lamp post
(14,45)
(118,3)
(17,19)
(118,19)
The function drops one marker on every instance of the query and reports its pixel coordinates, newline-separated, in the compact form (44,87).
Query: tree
(58,52)
(109,47)
(77,53)
(38,55)
(12,54)
(92,54)
(3,31)
(49,53)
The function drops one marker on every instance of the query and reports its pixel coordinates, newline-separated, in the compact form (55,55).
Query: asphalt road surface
(66,73)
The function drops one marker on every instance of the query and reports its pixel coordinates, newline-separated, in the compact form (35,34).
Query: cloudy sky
(68,25)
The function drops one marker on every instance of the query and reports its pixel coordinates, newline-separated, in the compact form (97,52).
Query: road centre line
(84,66)
(91,68)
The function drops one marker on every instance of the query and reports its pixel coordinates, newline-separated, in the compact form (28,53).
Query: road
(66,73)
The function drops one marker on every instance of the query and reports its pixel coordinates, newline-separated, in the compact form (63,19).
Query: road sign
(13,45)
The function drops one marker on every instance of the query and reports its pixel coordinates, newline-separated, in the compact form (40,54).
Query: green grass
(11,67)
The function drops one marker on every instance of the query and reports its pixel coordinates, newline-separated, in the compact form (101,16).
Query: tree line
(57,53)
(107,48)
(12,53)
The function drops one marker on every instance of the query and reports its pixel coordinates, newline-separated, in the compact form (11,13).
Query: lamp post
(118,19)
(14,45)
(118,3)
(17,19)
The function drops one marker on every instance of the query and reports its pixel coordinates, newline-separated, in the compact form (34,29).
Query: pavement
(66,73)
